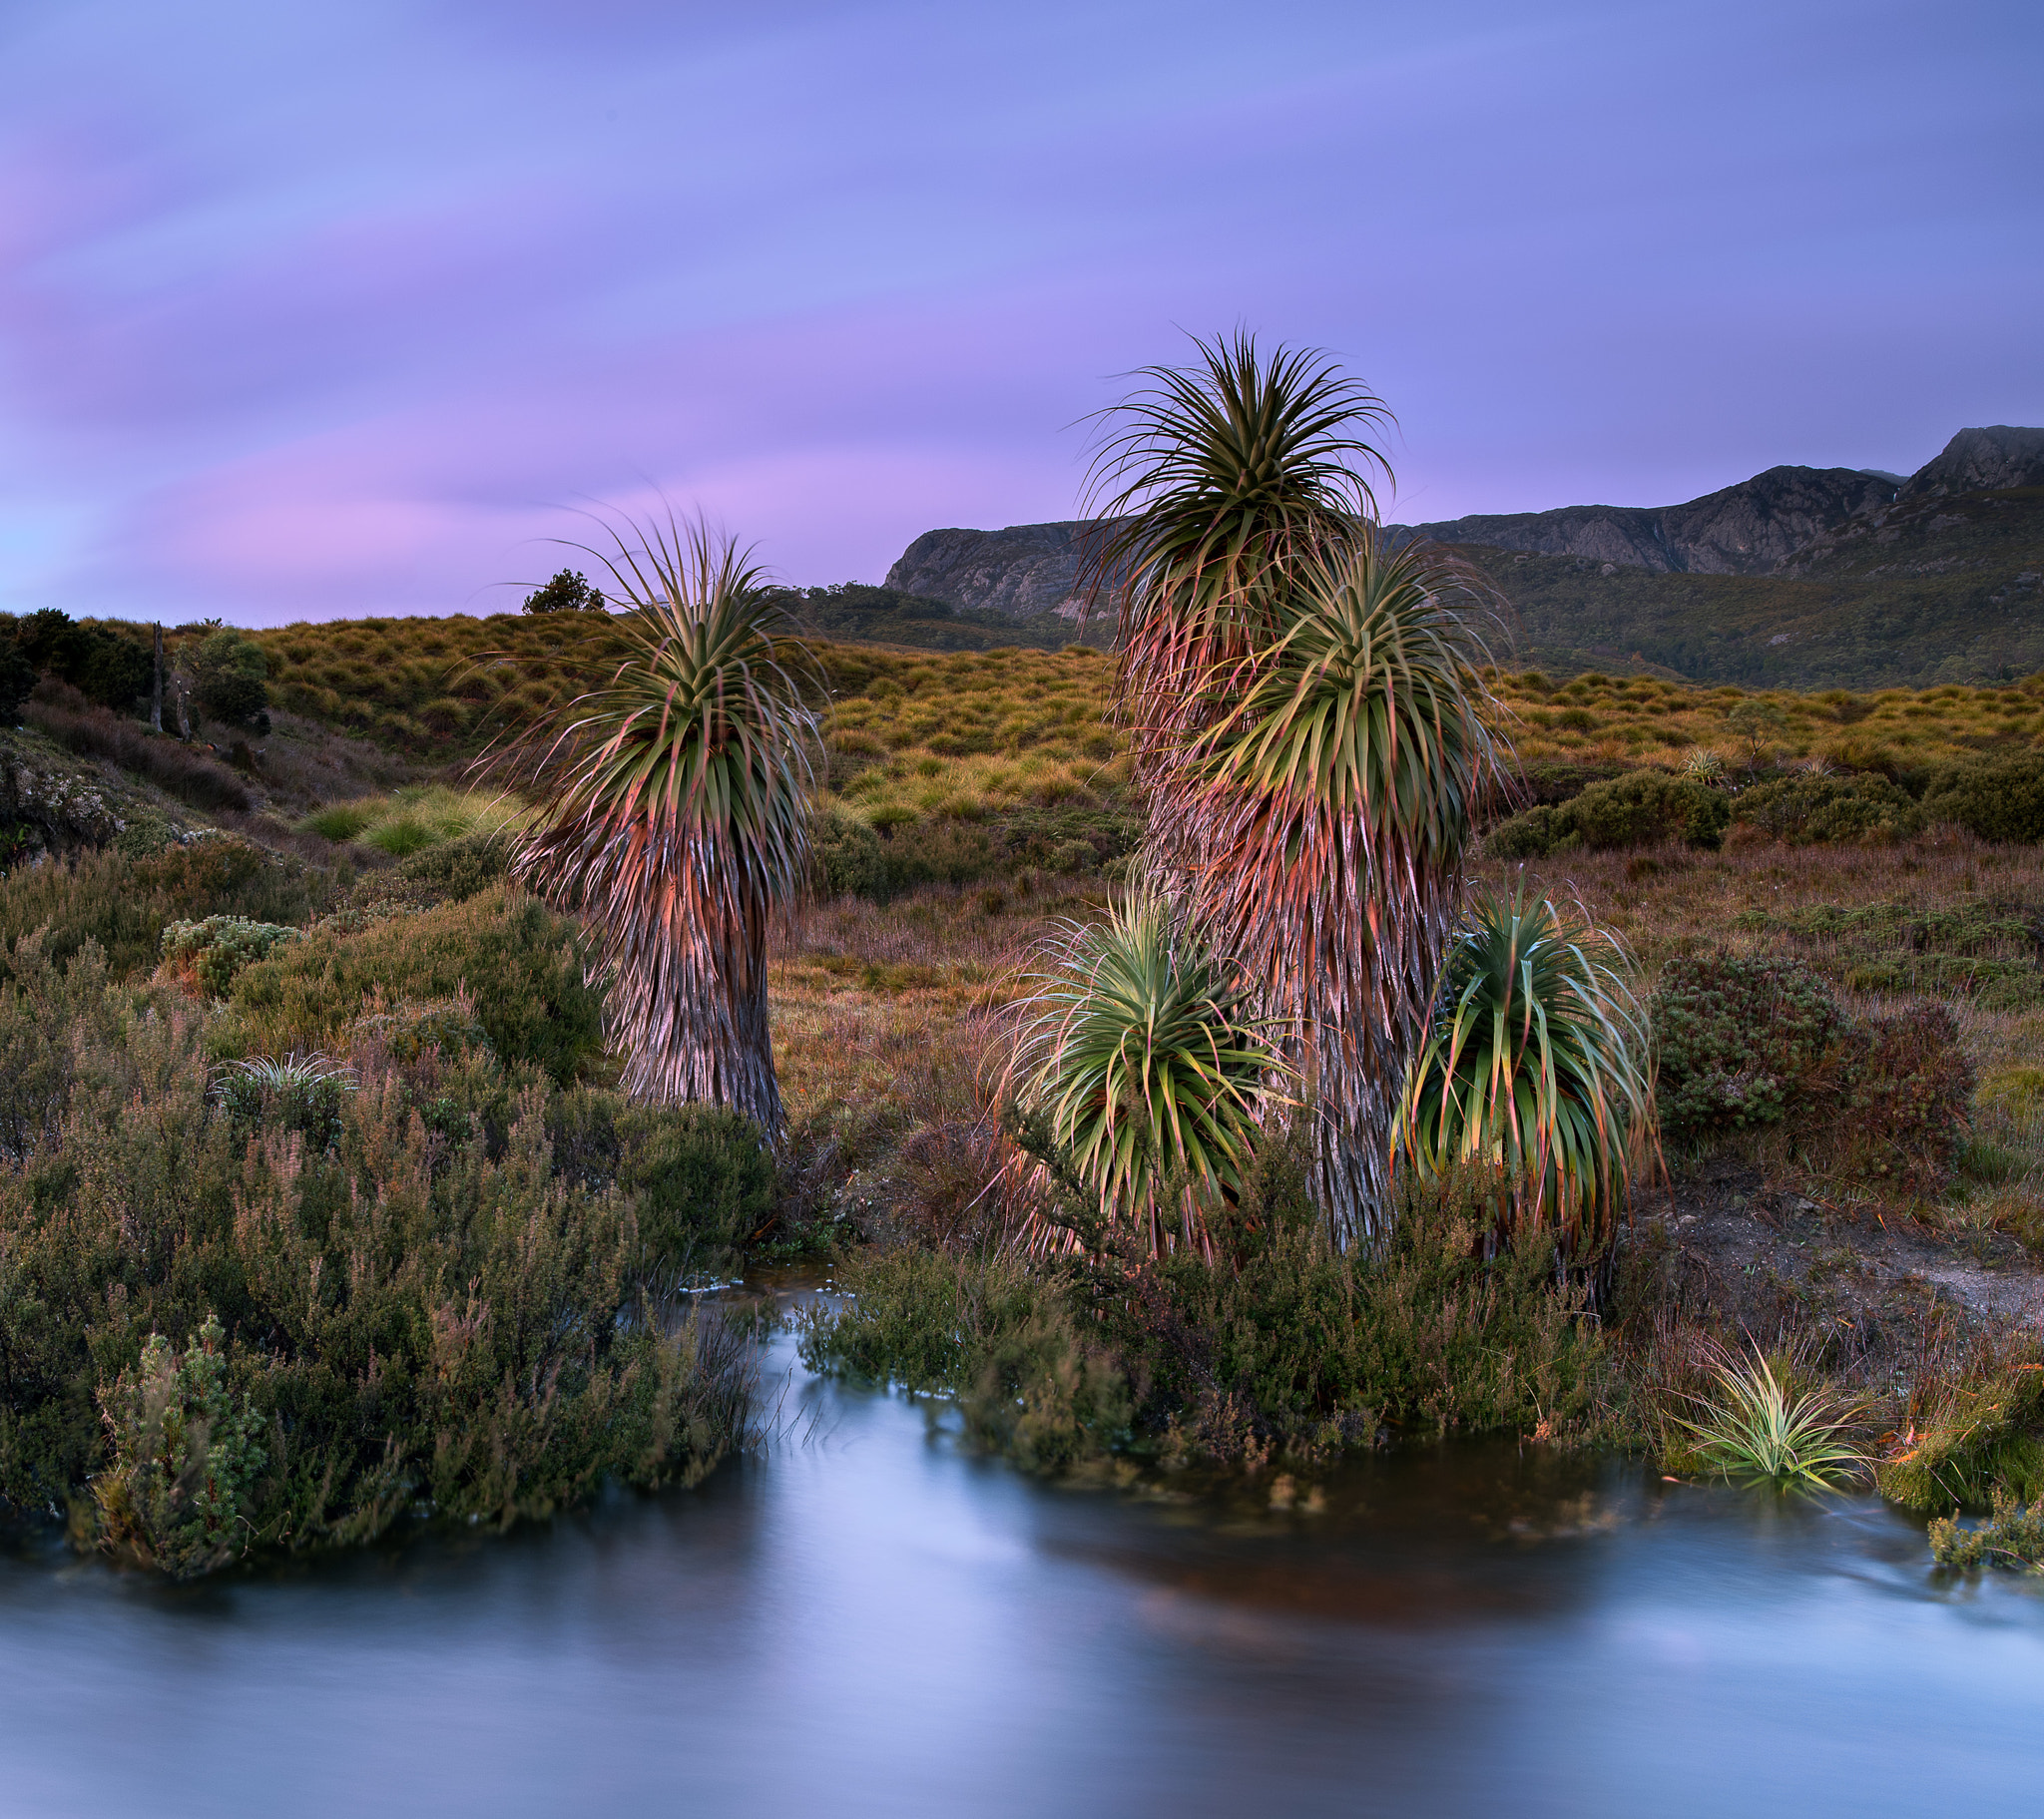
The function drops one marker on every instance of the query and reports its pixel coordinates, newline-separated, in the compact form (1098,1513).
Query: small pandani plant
(1755,1428)
(1144,1061)
(1536,1067)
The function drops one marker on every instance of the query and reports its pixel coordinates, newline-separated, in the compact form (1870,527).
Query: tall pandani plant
(1536,1068)
(1322,818)
(675,816)
(1142,1058)
(1305,703)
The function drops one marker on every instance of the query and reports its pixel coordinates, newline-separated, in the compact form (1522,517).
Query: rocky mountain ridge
(1776,523)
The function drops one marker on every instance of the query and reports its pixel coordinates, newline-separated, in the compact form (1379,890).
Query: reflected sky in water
(868,1622)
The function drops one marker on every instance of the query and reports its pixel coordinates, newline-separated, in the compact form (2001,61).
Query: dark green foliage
(307,1094)
(429,1314)
(519,965)
(1532,833)
(1999,799)
(701,1175)
(847,855)
(1743,1043)
(123,905)
(237,701)
(1896,1093)
(704,1180)
(1647,807)
(1640,808)
(853,859)
(1550,784)
(450,873)
(568,592)
(923,1318)
(17,677)
(206,956)
(2011,1537)
(1985,951)
(186,1452)
(228,672)
(107,666)
(1282,1345)
(1737,1041)
(1810,811)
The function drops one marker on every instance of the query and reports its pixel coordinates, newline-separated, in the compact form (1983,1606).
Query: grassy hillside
(1934,594)
(918,733)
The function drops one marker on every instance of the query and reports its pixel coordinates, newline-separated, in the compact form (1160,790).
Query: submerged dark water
(866,1623)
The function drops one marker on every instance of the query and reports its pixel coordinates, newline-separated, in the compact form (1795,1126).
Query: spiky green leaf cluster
(1147,1059)
(1536,1065)
(1755,1428)
(1221,478)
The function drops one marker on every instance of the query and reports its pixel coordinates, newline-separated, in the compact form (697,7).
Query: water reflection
(867,1621)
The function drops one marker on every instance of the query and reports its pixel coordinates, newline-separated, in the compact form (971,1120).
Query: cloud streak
(345,310)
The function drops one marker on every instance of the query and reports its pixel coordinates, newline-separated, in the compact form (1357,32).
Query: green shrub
(301,1092)
(703,1181)
(1810,811)
(1647,807)
(1737,1041)
(1282,1346)
(227,669)
(935,853)
(294,1345)
(1740,1042)
(518,963)
(412,1030)
(854,858)
(925,1319)
(1896,1096)
(186,1453)
(847,855)
(206,956)
(1999,799)
(451,871)
(1640,808)
(1533,833)
(123,905)
(2011,1537)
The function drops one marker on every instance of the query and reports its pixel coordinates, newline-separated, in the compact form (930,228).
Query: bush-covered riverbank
(411,1258)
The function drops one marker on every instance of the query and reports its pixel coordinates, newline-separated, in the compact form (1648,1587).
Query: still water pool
(867,1621)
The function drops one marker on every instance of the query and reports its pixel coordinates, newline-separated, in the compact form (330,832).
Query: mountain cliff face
(1981,461)
(1747,529)
(1024,570)
(1770,524)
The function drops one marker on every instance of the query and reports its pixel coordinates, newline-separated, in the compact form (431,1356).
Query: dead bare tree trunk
(156,691)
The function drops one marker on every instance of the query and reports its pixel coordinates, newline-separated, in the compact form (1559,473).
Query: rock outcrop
(1024,570)
(1754,527)
(1981,461)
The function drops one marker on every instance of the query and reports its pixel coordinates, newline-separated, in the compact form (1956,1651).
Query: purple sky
(322,309)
